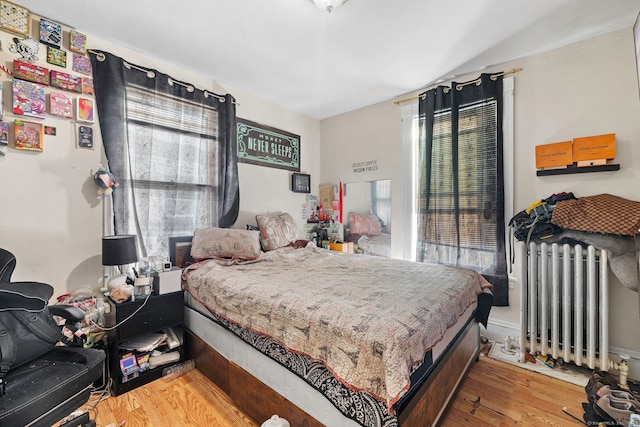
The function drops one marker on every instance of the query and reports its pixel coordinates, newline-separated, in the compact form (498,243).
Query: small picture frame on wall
(29,99)
(50,33)
(56,56)
(85,136)
(81,64)
(15,18)
(60,105)
(301,183)
(28,135)
(77,42)
(84,109)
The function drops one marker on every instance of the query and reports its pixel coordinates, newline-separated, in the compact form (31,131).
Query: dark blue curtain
(461,183)
(113,78)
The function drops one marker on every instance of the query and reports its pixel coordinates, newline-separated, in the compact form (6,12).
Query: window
(437,239)
(381,201)
(172,149)
(476,191)
(173,162)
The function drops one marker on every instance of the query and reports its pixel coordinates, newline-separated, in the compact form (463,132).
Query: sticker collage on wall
(68,95)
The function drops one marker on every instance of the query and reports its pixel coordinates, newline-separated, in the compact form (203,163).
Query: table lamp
(119,250)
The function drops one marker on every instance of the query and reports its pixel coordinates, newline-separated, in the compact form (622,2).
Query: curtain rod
(461,85)
(150,74)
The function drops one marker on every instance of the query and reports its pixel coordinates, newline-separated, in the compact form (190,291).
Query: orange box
(554,156)
(342,247)
(599,147)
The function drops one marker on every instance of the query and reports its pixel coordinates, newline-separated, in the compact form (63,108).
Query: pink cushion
(364,224)
(231,243)
(276,231)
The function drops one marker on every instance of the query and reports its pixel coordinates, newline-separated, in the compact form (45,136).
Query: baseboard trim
(498,330)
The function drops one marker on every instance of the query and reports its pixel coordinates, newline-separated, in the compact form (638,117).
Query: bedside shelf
(574,169)
(160,312)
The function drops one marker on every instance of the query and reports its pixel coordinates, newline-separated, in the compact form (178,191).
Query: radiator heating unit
(565,304)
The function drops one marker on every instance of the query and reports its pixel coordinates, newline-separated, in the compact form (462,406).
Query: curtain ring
(190,88)
(170,81)
(222,99)
(101,56)
(494,77)
(446,90)
(478,82)
(459,87)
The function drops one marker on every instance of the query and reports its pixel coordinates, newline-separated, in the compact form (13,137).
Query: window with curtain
(381,201)
(172,159)
(460,187)
(172,149)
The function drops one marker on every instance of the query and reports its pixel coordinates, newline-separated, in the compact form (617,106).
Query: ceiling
(323,64)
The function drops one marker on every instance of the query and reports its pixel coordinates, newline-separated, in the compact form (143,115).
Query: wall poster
(267,146)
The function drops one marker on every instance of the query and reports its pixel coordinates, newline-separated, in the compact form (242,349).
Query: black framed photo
(180,251)
(301,183)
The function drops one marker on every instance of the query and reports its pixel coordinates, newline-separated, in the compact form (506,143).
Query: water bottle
(178,369)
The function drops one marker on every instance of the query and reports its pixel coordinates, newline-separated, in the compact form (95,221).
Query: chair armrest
(68,312)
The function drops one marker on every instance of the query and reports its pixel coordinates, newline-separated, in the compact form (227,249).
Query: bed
(327,338)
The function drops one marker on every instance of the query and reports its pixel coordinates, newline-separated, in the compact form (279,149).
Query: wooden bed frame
(260,402)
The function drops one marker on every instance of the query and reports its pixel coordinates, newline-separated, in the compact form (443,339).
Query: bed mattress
(368,320)
(302,380)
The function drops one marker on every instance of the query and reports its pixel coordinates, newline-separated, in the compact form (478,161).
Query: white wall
(587,88)
(51,215)
(368,134)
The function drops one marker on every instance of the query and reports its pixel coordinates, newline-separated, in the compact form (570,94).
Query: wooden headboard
(180,251)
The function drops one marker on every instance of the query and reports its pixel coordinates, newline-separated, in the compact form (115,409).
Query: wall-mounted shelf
(574,169)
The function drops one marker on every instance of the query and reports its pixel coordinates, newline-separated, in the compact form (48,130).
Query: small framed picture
(87,86)
(81,64)
(60,105)
(56,56)
(301,183)
(50,33)
(15,18)
(4,138)
(29,99)
(1,102)
(84,109)
(28,135)
(77,42)
(4,133)
(85,136)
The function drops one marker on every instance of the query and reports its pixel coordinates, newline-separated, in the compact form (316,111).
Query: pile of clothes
(605,221)
(609,404)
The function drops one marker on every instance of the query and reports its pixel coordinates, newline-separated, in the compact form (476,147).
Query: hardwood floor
(493,394)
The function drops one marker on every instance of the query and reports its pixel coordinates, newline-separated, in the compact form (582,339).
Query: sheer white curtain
(172,149)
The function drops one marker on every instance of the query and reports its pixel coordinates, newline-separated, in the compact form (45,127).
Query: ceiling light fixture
(328,5)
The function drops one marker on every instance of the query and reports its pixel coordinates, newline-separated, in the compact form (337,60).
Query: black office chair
(48,388)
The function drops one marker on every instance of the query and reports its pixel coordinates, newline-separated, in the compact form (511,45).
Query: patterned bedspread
(368,319)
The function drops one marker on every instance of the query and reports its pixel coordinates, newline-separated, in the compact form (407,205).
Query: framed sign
(15,18)
(267,146)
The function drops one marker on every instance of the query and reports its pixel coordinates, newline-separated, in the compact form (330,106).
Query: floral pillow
(367,224)
(231,243)
(276,231)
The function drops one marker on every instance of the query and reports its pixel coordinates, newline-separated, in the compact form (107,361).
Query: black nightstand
(160,312)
